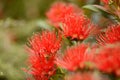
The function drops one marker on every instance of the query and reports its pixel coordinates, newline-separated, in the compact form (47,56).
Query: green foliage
(13,37)
(103,11)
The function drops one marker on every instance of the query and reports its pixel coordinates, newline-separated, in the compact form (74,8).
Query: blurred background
(19,20)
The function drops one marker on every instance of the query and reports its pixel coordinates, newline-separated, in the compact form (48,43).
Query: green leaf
(91,7)
(103,11)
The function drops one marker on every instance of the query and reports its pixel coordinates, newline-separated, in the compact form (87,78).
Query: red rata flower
(112,35)
(74,57)
(42,50)
(41,67)
(108,59)
(59,10)
(77,26)
(46,42)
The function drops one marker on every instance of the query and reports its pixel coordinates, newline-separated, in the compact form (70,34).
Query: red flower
(41,68)
(43,49)
(77,26)
(46,42)
(108,59)
(112,35)
(59,10)
(74,57)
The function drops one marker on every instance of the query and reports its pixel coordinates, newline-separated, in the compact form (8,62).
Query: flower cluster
(82,56)
(74,23)
(41,67)
(46,42)
(107,59)
(74,58)
(59,10)
(43,48)
(77,26)
(111,35)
